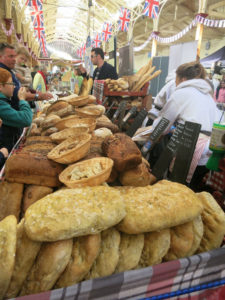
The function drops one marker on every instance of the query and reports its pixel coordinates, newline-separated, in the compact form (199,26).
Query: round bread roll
(102,132)
(49,131)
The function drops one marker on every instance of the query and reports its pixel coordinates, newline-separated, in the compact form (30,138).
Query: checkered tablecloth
(215,180)
(98,90)
(195,277)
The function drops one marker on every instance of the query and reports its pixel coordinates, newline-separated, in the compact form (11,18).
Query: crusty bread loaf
(131,246)
(10,199)
(108,257)
(139,176)
(7,252)
(163,205)
(37,139)
(156,245)
(213,219)
(49,265)
(50,121)
(34,193)
(74,212)
(41,147)
(85,250)
(56,106)
(32,168)
(122,150)
(198,230)
(49,131)
(107,124)
(26,252)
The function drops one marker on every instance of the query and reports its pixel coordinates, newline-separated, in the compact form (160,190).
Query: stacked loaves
(84,233)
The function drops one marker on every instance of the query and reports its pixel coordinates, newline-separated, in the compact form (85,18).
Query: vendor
(192,101)
(103,70)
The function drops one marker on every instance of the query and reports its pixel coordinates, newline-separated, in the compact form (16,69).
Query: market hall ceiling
(66,21)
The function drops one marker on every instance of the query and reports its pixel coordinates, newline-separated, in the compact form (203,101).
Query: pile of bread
(133,83)
(78,234)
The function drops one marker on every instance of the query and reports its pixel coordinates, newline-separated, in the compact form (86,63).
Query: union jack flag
(107,31)
(151,8)
(38,22)
(96,42)
(124,19)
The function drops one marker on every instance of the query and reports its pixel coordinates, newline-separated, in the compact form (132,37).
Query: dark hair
(78,71)
(3,46)
(191,70)
(98,51)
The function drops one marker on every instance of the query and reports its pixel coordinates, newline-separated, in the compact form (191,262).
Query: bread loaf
(7,253)
(32,168)
(10,199)
(122,150)
(163,205)
(34,193)
(26,252)
(139,176)
(56,106)
(50,121)
(49,265)
(37,139)
(74,212)
(85,250)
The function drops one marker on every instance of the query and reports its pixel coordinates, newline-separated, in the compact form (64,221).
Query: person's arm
(12,117)
(38,96)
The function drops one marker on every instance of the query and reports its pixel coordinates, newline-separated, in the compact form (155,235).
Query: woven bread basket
(99,169)
(61,136)
(81,122)
(92,111)
(71,150)
(79,101)
(62,123)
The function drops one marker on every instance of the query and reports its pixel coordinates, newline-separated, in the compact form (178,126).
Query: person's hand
(45,96)
(22,93)
(4,152)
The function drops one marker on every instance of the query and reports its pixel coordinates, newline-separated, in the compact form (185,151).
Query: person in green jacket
(76,74)
(11,118)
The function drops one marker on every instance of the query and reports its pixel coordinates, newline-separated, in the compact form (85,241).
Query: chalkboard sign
(121,108)
(159,129)
(185,152)
(181,145)
(137,122)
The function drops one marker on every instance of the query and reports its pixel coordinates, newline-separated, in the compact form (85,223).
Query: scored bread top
(74,212)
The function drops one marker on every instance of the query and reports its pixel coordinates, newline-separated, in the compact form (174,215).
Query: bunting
(107,31)
(124,19)
(151,8)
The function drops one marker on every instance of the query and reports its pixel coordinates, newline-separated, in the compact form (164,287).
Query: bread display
(156,245)
(130,250)
(102,132)
(163,205)
(139,176)
(11,195)
(7,253)
(26,252)
(78,101)
(92,111)
(61,136)
(32,168)
(56,106)
(49,131)
(122,150)
(37,139)
(42,148)
(84,253)
(49,265)
(33,193)
(90,123)
(71,150)
(213,219)
(108,257)
(50,121)
(74,212)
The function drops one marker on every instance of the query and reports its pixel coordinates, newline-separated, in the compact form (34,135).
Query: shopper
(3,152)
(103,69)
(12,120)
(220,92)
(76,74)
(192,101)
(21,69)
(40,80)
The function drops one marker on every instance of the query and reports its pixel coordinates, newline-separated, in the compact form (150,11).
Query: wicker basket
(71,150)
(105,163)
(92,111)
(61,124)
(79,101)
(61,136)
(83,122)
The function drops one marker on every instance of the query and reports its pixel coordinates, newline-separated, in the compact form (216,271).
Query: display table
(200,276)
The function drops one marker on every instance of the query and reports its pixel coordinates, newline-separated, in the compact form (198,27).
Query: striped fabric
(200,276)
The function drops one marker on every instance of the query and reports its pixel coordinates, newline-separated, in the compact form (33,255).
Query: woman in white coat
(192,101)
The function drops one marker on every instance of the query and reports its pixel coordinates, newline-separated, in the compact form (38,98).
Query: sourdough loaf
(139,176)
(32,168)
(122,150)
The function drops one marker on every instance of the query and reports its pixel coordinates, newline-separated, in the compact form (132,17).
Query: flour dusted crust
(156,245)
(122,150)
(85,250)
(70,213)
(49,265)
(26,252)
(213,219)
(33,193)
(7,252)
(10,199)
(32,168)
(50,121)
(163,205)
(108,257)
(131,246)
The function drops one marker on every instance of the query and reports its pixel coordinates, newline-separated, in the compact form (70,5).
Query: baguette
(146,79)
